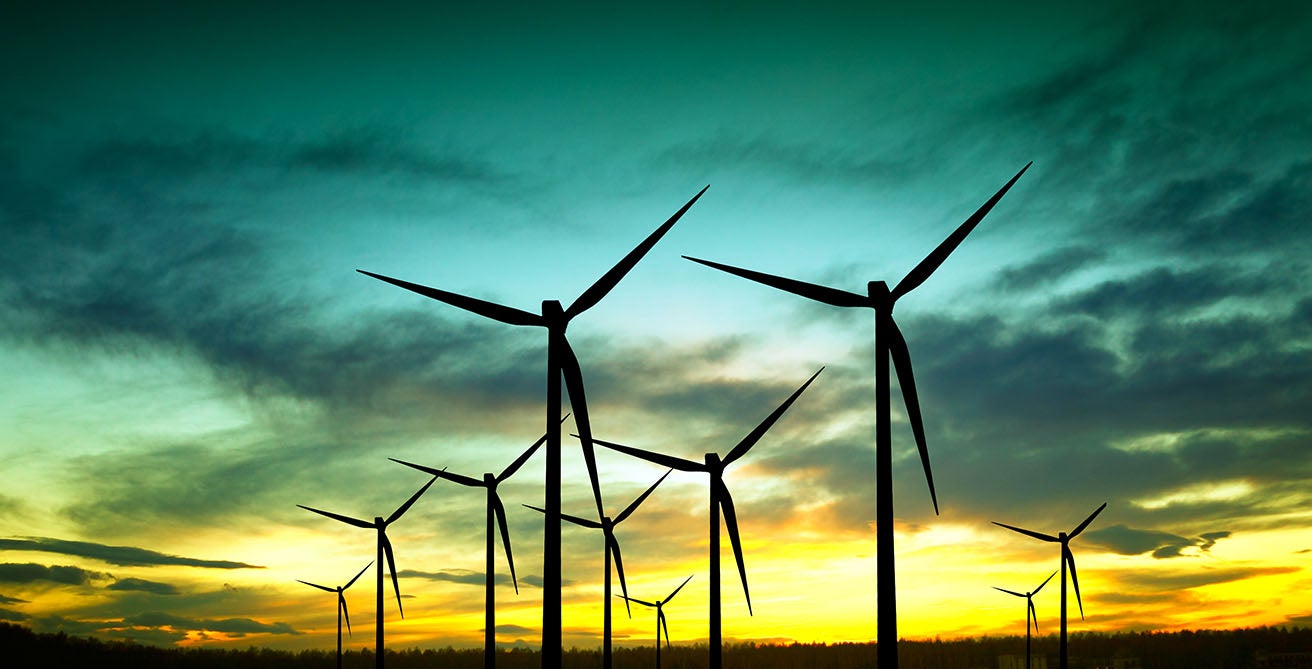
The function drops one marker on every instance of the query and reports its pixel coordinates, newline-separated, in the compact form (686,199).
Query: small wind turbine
(1029,612)
(660,617)
(611,548)
(560,362)
(720,499)
(384,549)
(496,511)
(888,342)
(341,608)
(1066,558)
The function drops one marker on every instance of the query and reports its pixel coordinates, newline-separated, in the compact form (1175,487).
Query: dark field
(1232,649)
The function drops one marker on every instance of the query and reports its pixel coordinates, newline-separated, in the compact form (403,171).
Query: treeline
(21,648)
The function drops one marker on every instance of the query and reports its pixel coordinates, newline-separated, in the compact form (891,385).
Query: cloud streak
(126,556)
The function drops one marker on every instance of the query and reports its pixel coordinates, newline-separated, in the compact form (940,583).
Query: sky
(187,190)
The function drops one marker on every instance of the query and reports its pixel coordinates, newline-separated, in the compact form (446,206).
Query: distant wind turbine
(611,548)
(1066,558)
(560,362)
(384,549)
(496,511)
(720,499)
(888,342)
(660,617)
(1029,612)
(341,607)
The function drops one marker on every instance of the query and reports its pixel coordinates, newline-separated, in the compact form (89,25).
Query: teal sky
(188,353)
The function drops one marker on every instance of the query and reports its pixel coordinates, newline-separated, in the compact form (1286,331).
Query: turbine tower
(496,512)
(1066,558)
(341,607)
(720,500)
(611,549)
(560,362)
(888,342)
(660,617)
(1029,612)
(384,549)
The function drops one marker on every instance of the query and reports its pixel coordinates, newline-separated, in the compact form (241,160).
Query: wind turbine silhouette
(496,511)
(888,342)
(560,362)
(341,607)
(660,617)
(720,499)
(1066,558)
(1029,612)
(384,549)
(611,548)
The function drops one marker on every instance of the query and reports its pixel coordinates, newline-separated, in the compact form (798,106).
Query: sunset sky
(187,352)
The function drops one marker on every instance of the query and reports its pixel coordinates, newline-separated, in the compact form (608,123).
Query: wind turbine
(1029,612)
(341,607)
(560,362)
(888,342)
(720,499)
(611,548)
(384,549)
(496,511)
(1066,558)
(660,617)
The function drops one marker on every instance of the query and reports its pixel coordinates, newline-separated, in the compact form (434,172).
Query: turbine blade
(731,523)
(496,312)
(1009,592)
(676,590)
(400,511)
(920,272)
(581,521)
(569,366)
(651,456)
(598,290)
(1045,582)
(755,435)
(500,512)
(357,576)
(832,296)
(341,599)
(613,545)
(391,566)
(635,600)
(1037,535)
(907,380)
(1075,580)
(665,626)
(519,462)
(1035,615)
(1080,528)
(442,473)
(633,506)
(345,519)
(316,585)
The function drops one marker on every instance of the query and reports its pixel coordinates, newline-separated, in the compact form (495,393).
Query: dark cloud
(11,600)
(12,616)
(128,556)
(1048,268)
(515,629)
(141,585)
(11,572)
(1125,540)
(467,577)
(1164,292)
(231,626)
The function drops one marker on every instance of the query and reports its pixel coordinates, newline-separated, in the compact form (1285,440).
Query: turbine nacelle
(880,297)
(713,463)
(554,314)
(380,523)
